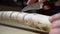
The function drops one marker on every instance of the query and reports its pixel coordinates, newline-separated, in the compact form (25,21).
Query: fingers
(54,17)
(55,31)
(30,2)
(55,27)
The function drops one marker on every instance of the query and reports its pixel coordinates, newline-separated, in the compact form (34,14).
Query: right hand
(30,2)
(46,7)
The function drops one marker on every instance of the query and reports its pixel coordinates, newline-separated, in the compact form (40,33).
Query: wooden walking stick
(38,21)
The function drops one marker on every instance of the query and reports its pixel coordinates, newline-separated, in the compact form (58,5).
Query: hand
(30,2)
(55,27)
(46,7)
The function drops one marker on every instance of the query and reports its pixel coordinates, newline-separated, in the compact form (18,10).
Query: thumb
(54,17)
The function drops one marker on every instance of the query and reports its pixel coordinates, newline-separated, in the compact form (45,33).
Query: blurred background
(12,4)
(17,5)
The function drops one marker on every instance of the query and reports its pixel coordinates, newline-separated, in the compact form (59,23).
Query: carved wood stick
(38,21)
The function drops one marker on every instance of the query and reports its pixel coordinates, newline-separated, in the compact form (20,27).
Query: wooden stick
(38,21)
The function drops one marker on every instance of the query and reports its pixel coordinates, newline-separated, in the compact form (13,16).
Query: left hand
(55,27)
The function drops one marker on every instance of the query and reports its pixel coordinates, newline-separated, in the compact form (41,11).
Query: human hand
(46,7)
(55,27)
(30,2)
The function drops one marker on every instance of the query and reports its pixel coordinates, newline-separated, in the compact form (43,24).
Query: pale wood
(38,21)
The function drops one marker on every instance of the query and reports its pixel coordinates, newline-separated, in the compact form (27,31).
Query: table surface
(9,30)
(15,28)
